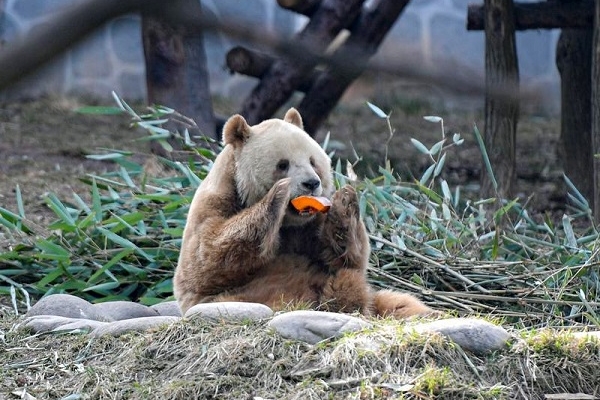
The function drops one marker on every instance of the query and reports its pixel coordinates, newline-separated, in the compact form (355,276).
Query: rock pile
(66,313)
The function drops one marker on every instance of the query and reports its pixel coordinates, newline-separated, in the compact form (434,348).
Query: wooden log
(255,64)
(176,69)
(542,15)
(248,62)
(596,110)
(365,37)
(304,7)
(286,75)
(574,62)
(501,112)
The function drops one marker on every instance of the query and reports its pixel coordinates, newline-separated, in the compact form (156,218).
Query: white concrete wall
(430,31)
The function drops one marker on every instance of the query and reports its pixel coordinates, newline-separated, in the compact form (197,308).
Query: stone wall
(430,31)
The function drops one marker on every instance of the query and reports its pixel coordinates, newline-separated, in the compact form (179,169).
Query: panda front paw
(278,198)
(344,213)
(345,201)
(343,219)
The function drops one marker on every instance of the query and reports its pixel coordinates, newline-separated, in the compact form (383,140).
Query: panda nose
(311,184)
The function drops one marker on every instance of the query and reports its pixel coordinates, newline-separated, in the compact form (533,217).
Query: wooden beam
(501,112)
(365,37)
(248,62)
(541,15)
(255,64)
(286,75)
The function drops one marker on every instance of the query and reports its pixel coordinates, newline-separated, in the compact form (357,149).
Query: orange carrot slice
(311,204)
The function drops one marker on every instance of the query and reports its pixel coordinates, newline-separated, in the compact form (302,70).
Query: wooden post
(540,15)
(574,62)
(176,71)
(501,112)
(596,110)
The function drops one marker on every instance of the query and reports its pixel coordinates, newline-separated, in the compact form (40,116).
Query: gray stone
(284,23)
(9,29)
(126,39)
(426,32)
(65,305)
(131,83)
(314,326)
(410,30)
(535,53)
(86,325)
(90,57)
(118,328)
(49,78)
(33,9)
(462,4)
(170,308)
(229,10)
(476,335)
(454,47)
(119,310)
(45,323)
(229,311)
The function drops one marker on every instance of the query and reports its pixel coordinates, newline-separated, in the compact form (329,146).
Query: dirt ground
(43,145)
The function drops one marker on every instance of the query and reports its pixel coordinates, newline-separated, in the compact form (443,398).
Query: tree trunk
(176,71)
(366,34)
(286,75)
(574,62)
(596,110)
(501,112)
(540,15)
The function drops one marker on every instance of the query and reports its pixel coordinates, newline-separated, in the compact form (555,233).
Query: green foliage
(121,244)
(479,255)
(121,240)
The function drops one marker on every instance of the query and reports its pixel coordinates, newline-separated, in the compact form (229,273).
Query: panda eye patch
(283,165)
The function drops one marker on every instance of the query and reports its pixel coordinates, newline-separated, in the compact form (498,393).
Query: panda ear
(293,117)
(236,131)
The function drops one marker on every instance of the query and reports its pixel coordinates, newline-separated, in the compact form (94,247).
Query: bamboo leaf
(439,165)
(486,159)
(569,233)
(99,110)
(102,287)
(52,250)
(420,146)
(427,174)
(118,257)
(436,147)
(432,118)
(60,210)
(446,190)
(124,243)
(377,111)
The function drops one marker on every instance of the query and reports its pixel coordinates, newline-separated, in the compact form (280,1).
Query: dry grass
(194,359)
